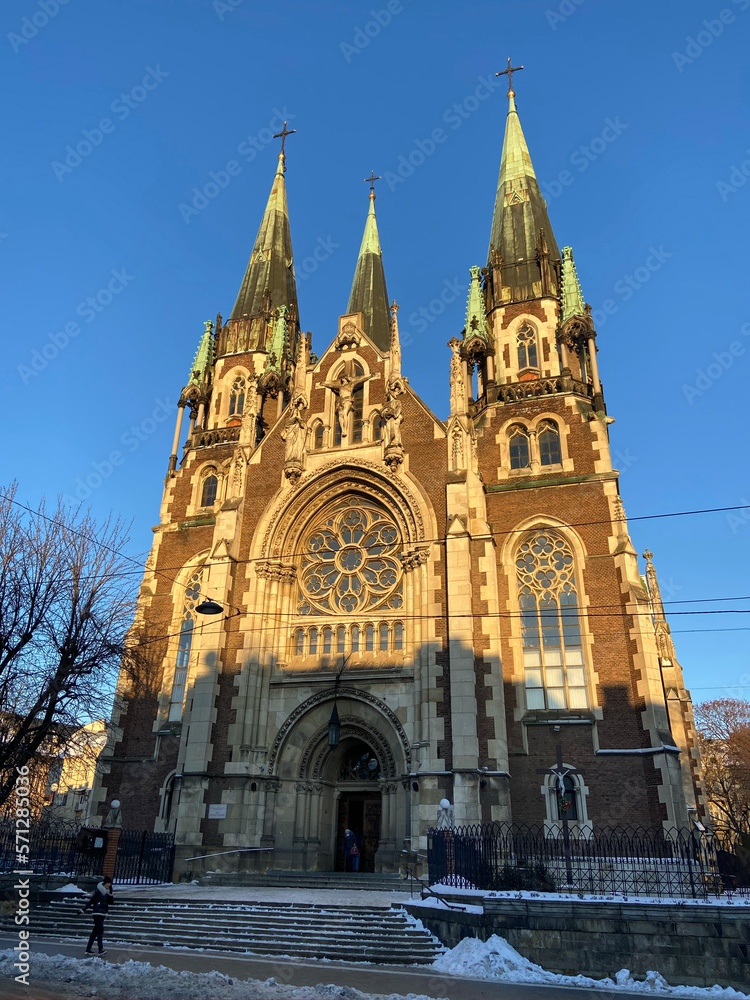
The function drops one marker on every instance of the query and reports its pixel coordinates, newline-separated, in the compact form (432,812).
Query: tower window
(237,397)
(184,647)
(550,627)
(549,444)
(519,449)
(527,352)
(209,491)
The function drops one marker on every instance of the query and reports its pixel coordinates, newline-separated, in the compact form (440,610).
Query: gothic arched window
(350,561)
(209,490)
(318,436)
(337,431)
(526,345)
(237,396)
(377,427)
(550,626)
(549,444)
(184,646)
(358,405)
(519,448)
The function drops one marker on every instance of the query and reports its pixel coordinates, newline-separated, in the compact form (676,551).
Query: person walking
(101,897)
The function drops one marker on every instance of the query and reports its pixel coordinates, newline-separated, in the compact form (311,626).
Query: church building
(354,608)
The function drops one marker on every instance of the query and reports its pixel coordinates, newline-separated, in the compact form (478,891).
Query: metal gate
(144,857)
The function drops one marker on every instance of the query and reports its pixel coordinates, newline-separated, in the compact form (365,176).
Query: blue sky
(637,118)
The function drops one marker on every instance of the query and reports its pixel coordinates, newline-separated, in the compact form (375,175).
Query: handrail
(427,888)
(240,850)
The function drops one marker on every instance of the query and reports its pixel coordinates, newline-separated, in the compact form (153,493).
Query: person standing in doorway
(101,897)
(351,851)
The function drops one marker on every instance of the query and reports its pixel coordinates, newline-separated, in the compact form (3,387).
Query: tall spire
(520,214)
(369,294)
(270,270)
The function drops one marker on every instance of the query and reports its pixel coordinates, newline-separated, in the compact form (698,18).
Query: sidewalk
(366,978)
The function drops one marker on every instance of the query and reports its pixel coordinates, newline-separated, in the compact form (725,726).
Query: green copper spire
(369,294)
(270,271)
(278,348)
(572,303)
(476,314)
(520,214)
(204,356)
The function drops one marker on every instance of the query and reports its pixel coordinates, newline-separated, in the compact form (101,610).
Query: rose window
(350,562)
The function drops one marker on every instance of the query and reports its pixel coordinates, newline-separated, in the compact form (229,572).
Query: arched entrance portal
(357,773)
(321,791)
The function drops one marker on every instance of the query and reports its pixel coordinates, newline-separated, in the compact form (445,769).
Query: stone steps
(375,882)
(344,933)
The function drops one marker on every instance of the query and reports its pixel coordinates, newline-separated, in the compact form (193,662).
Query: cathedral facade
(354,609)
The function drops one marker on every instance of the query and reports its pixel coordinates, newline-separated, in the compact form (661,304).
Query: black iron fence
(73,851)
(144,857)
(590,860)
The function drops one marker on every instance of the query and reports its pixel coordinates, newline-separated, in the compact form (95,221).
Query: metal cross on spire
(371,180)
(509,73)
(285,132)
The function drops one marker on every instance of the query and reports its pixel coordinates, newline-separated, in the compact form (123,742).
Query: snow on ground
(141,981)
(241,894)
(730,899)
(69,889)
(496,960)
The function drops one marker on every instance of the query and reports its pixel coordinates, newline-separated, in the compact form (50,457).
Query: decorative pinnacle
(509,73)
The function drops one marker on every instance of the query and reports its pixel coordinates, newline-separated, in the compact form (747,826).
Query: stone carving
(393,454)
(348,336)
(445,820)
(357,694)
(236,474)
(458,386)
(275,571)
(293,436)
(457,448)
(417,557)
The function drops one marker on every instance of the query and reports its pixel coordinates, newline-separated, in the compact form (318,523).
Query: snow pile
(730,899)
(495,959)
(141,981)
(70,888)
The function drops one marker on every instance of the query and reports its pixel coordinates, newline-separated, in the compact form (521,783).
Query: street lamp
(209,607)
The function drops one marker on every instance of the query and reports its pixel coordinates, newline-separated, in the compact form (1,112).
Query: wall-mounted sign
(217,811)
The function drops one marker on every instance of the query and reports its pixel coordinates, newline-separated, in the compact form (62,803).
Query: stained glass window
(550,626)
(526,343)
(237,396)
(350,561)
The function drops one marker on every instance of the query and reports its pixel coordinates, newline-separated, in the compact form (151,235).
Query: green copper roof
(520,213)
(572,297)
(204,356)
(270,268)
(476,314)
(279,345)
(369,294)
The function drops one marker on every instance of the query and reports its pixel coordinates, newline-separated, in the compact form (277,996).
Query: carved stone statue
(445,819)
(114,816)
(393,418)
(293,436)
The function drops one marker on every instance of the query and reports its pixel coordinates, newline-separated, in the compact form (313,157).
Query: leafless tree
(66,602)
(724,734)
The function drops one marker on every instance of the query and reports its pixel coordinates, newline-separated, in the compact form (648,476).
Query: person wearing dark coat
(101,897)
(351,850)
